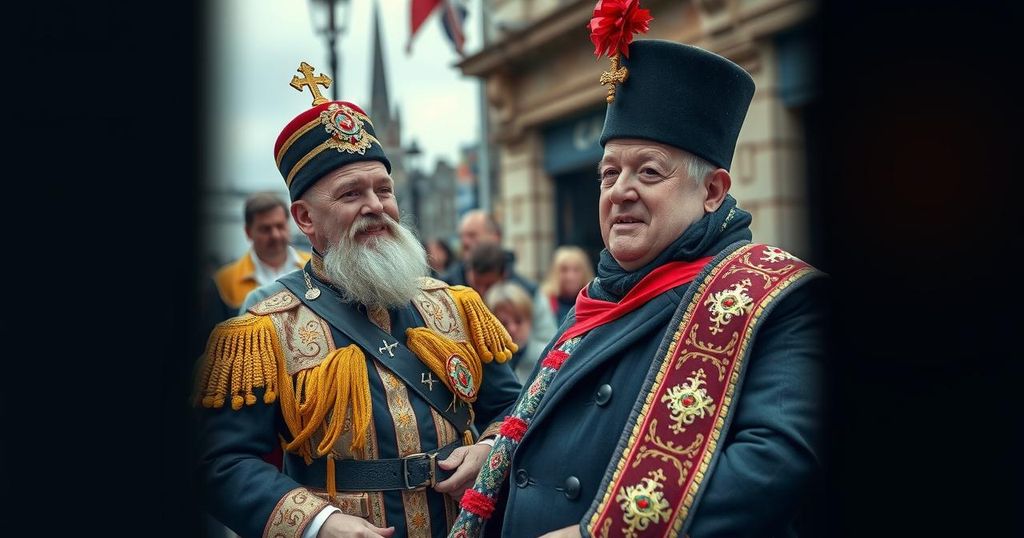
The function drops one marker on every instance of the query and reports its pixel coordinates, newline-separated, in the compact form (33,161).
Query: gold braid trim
(433,350)
(242,354)
(486,333)
(337,386)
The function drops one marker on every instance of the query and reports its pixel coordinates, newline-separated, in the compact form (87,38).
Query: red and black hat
(330,135)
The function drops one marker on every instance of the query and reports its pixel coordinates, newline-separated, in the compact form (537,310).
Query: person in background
(271,256)
(570,271)
(486,268)
(439,256)
(514,309)
(478,227)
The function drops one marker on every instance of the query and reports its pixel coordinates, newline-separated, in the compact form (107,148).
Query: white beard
(380,272)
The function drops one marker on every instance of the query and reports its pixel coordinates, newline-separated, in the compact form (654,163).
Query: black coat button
(572,488)
(604,394)
(522,478)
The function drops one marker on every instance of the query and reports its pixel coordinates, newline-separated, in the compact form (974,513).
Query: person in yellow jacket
(271,257)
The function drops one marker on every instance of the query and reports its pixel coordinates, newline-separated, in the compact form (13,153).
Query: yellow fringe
(467,438)
(433,350)
(241,355)
(486,333)
(337,386)
(332,488)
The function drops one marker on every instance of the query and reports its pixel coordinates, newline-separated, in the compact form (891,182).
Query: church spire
(380,104)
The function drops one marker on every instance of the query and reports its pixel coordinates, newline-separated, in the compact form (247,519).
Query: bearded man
(372,377)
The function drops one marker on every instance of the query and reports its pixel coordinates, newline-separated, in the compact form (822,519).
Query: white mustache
(368,222)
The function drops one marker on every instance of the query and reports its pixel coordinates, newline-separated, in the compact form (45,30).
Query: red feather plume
(614,23)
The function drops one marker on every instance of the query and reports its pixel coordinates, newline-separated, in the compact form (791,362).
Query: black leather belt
(411,472)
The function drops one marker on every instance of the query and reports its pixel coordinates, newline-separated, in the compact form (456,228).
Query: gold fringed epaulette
(241,355)
(435,350)
(327,393)
(488,336)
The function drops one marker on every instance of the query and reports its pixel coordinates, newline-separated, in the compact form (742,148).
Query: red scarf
(592,313)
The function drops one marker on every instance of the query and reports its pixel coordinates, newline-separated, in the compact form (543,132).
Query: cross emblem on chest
(387,347)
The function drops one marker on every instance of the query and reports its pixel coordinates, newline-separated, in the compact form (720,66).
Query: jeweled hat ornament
(323,138)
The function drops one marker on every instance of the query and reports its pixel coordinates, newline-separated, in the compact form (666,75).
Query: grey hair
(698,168)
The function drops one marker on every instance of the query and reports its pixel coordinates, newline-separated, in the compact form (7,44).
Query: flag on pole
(420,10)
(453,18)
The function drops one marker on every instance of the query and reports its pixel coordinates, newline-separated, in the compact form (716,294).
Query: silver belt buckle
(431,480)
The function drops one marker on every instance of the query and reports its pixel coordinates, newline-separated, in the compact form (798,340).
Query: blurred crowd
(531,312)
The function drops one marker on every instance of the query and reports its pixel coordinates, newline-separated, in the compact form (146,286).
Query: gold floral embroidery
(643,504)
(776,254)
(305,338)
(439,310)
(307,335)
(718,356)
(293,513)
(417,515)
(770,275)
(668,451)
(688,401)
(726,304)
(692,458)
(405,420)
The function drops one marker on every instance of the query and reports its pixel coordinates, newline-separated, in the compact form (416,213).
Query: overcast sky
(257,46)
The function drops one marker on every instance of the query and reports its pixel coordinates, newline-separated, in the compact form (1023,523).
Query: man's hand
(572,531)
(467,460)
(339,525)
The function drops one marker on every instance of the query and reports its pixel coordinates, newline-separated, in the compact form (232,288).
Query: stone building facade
(546,108)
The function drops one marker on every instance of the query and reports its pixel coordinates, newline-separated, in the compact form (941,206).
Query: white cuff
(489,441)
(314,527)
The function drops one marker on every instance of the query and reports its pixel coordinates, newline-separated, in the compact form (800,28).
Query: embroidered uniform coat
(253,498)
(770,449)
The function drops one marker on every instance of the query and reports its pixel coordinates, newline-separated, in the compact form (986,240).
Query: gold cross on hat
(617,75)
(309,80)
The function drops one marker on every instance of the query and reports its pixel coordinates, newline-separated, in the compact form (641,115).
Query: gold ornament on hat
(611,30)
(346,127)
(616,75)
(312,82)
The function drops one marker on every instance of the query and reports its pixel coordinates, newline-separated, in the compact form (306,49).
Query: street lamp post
(412,158)
(330,21)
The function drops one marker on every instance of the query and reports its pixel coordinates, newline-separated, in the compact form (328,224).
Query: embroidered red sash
(664,464)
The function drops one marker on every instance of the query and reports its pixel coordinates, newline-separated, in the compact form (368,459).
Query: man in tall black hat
(682,396)
(372,377)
